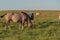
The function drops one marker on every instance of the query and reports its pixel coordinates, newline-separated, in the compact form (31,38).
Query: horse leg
(30,24)
(19,26)
(7,25)
(23,24)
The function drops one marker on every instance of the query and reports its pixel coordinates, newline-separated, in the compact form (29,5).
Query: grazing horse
(38,14)
(21,17)
(59,16)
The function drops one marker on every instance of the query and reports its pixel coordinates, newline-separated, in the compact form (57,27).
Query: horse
(58,16)
(37,14)
(21,17)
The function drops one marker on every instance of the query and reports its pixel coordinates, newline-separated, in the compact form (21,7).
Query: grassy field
(46,27)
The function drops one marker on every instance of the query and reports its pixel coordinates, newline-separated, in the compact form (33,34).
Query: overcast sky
(29,4)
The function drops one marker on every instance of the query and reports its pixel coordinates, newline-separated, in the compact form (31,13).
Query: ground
(45,27)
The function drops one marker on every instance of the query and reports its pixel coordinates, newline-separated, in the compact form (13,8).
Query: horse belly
(15,19)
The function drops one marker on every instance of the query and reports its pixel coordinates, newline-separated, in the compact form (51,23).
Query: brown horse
(38,14)
(21,17)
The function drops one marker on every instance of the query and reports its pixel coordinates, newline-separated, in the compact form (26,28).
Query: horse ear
(22,12)
(32,13)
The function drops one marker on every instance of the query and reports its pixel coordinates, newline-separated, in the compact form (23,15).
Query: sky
(29,4)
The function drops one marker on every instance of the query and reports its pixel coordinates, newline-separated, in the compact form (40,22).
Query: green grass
(46,27)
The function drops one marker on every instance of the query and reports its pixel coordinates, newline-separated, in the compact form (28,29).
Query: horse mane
(25,14)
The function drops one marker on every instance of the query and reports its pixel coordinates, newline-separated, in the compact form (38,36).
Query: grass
(46,27)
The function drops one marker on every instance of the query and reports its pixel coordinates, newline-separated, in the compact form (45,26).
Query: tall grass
(46,27)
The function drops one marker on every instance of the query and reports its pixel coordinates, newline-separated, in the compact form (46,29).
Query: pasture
(45,27)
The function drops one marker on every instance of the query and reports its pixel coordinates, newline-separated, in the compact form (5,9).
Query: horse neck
(25,14)
(29,20)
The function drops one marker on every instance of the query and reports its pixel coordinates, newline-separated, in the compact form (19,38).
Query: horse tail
(2,16)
